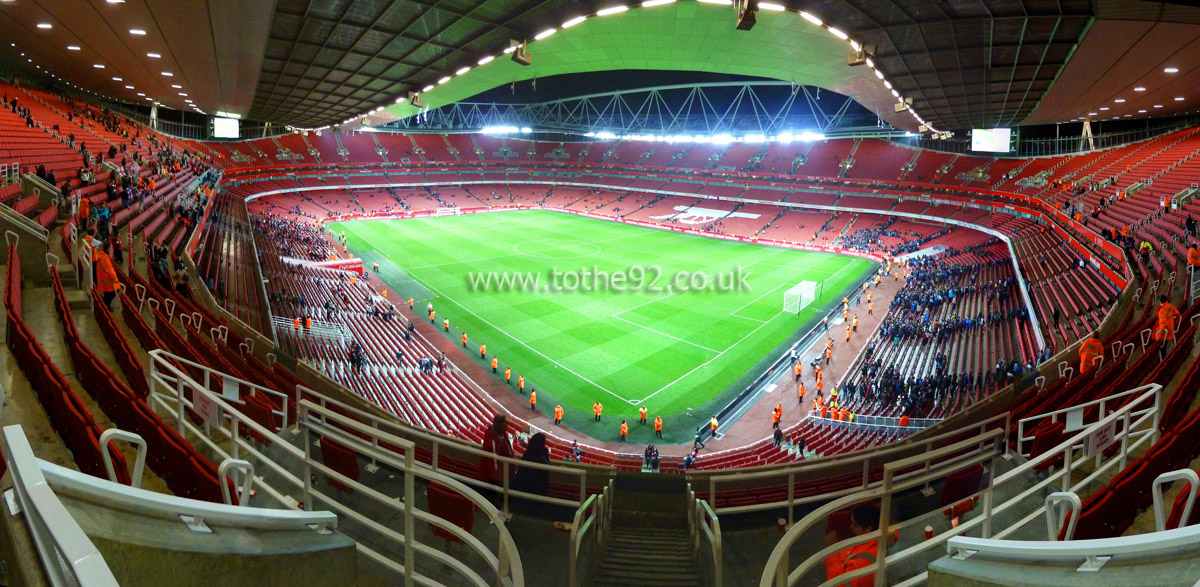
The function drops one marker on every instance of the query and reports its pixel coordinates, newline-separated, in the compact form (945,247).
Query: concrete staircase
(649,544)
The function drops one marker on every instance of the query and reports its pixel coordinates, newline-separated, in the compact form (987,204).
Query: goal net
(800,296)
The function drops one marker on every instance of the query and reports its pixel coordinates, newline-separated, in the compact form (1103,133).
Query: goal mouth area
(800,296)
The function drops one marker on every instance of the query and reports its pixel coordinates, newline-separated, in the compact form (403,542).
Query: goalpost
(800,296)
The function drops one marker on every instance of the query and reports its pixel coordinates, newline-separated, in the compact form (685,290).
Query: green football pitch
(671,349)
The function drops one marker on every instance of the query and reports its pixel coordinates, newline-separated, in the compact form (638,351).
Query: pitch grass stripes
(673,351)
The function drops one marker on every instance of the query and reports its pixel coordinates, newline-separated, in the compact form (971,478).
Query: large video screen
(226,128)
(992,140)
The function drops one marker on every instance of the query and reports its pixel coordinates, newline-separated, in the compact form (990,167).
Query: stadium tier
(278,319)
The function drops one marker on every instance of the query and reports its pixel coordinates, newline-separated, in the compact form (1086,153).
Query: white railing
(594,516)
(1092,553)
(288,476)
(1073,417)
(1084,462)
(440,445)
(874,423)
(67,554)
(985,448)
(789,477)
(330,330)
(704,526)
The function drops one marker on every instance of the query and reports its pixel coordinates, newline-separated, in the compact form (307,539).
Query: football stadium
(591,293)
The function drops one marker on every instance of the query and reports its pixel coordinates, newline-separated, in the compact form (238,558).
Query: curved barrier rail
(218,423)
(869,465)
(1083,456)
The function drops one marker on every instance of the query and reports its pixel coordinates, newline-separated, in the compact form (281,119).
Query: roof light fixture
(811,18)
(1171,70)
(839,34)
(653,3)
(544,34)
(573,22)
(772,7)
(611,10)
(45,25)
(487,60)
(137,32)
(154,55)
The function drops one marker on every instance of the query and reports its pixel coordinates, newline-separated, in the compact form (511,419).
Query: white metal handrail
(803,471)
(936,465)
(1033,551)
(67,554)
(703,523)
(594,515)
(294,468)
(864,423)
(1070,477)
(211,376)
(439,444)
(1032,422)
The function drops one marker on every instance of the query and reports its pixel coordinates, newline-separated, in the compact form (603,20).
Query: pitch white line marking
(659,332)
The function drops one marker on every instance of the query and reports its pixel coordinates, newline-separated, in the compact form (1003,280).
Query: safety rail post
(139,465)
(1160,520)
(1054,503)
(170,387)
(67,554)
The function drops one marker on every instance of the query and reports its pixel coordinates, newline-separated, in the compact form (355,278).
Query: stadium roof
(310,63)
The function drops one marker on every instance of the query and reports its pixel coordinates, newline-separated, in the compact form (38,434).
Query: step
(638,576)
(77,299)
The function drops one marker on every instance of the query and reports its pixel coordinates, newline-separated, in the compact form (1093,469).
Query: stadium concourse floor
(754,425)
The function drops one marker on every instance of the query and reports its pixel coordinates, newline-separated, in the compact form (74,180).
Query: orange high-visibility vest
(1088,352)
(507,373)
(904,420)
(1168,315)
(624,429)
(520,382)
(495,363)
(106,274)
(464,338)
(642,412)
(800,391)
(658,423)
(296,323)
(558,412)
(597,408)
(1193,256)
(533,398)
(308,322)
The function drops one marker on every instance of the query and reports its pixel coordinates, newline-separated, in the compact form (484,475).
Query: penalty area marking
(523,343)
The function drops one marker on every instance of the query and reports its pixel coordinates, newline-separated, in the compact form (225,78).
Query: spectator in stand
(652,458)
(495,441)
(529,479)
(864,519)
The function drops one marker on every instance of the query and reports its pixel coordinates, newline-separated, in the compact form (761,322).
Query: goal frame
(801,296)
